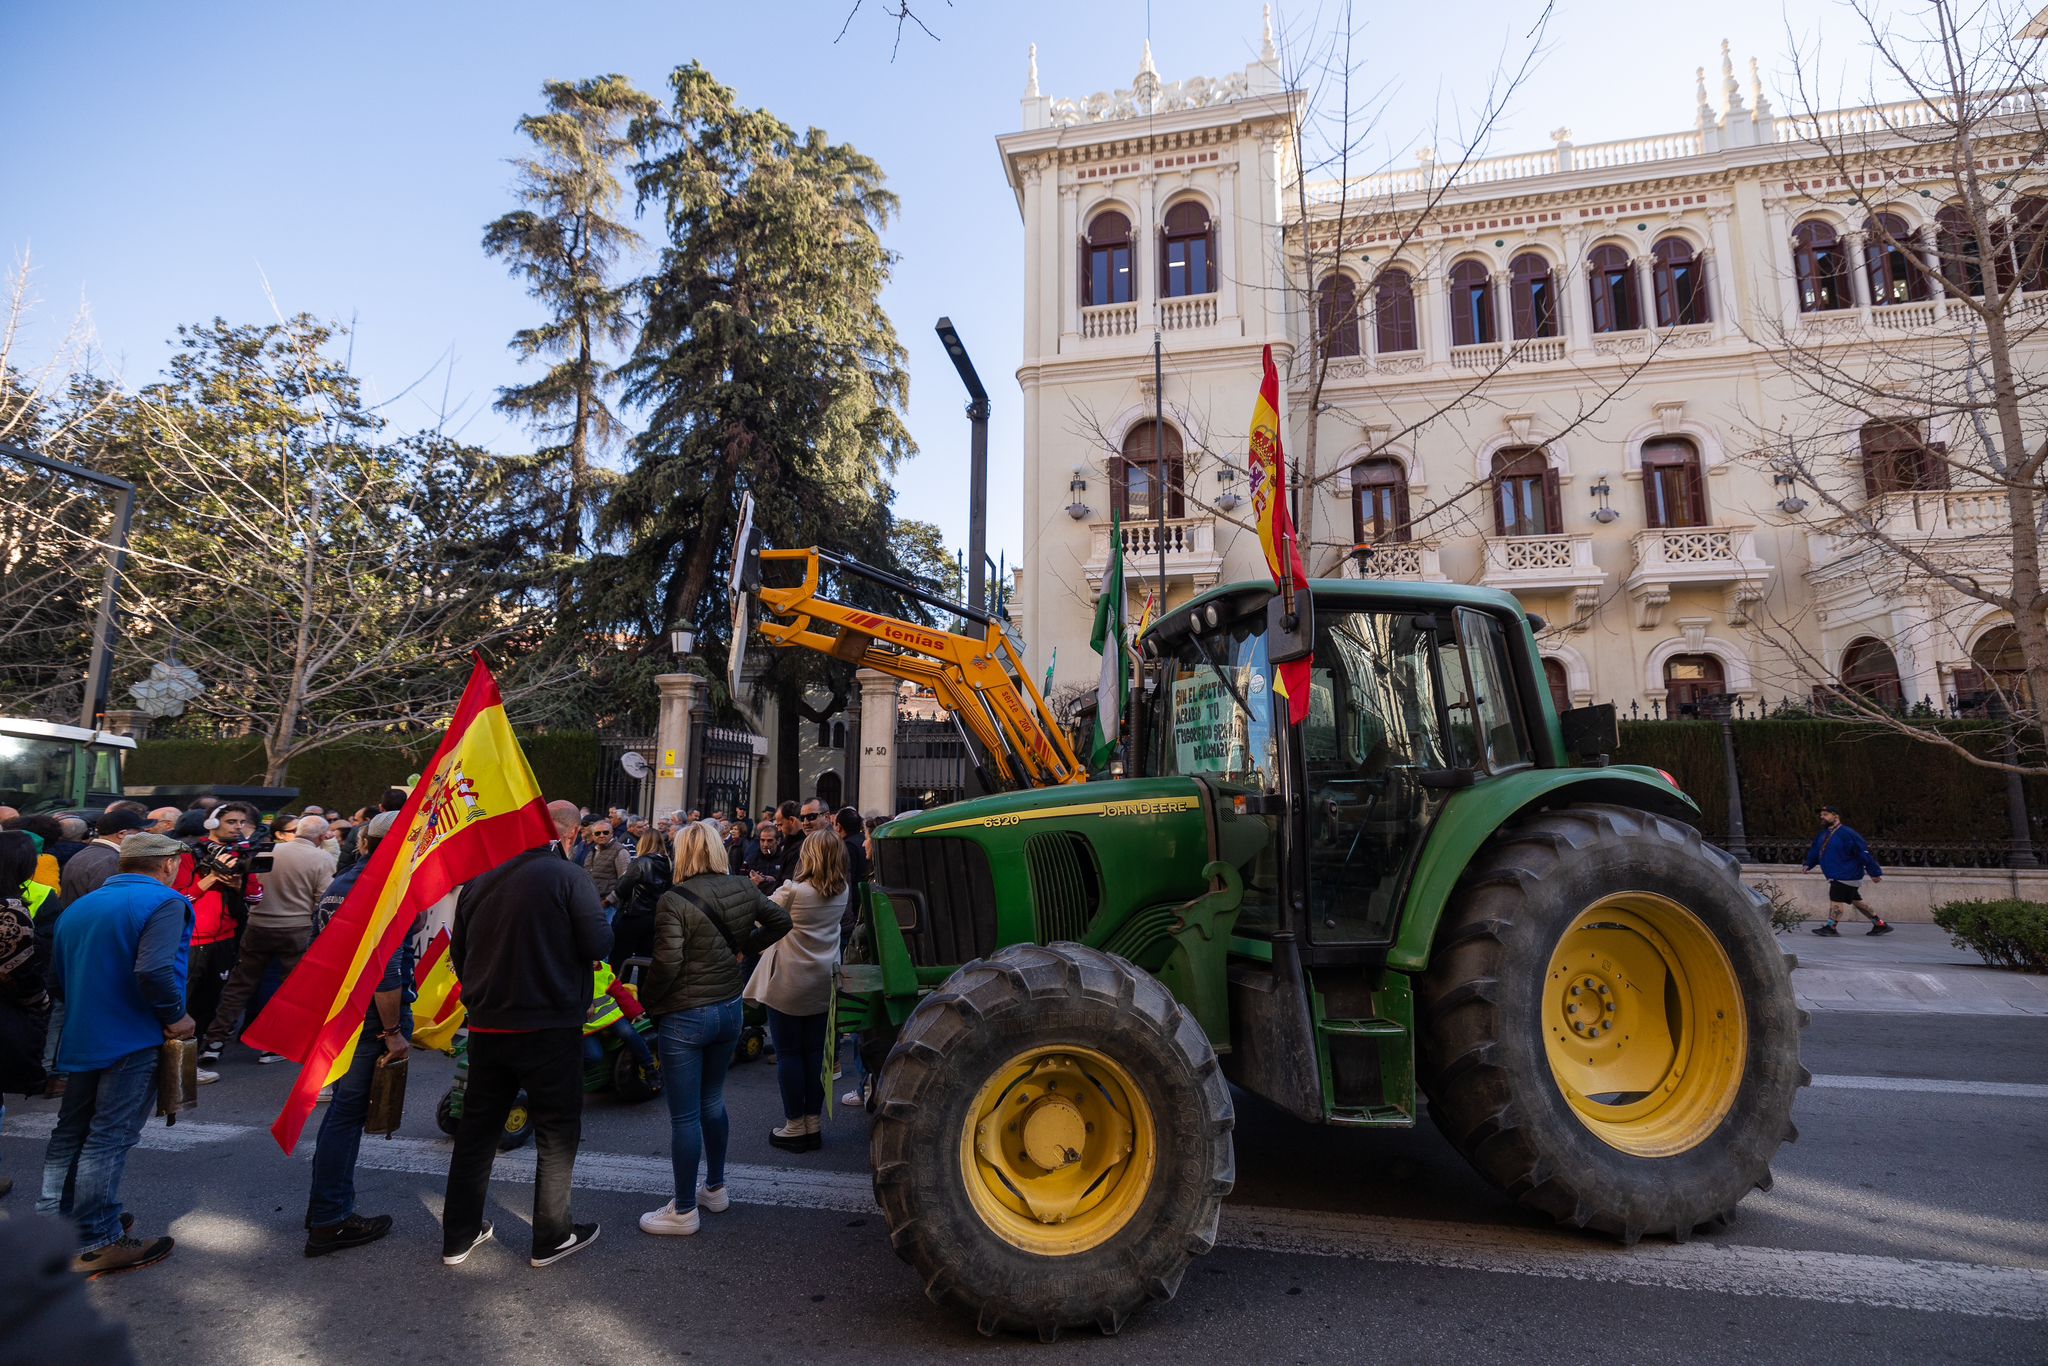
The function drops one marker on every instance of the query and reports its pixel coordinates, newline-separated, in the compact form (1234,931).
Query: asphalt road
(1909,1223)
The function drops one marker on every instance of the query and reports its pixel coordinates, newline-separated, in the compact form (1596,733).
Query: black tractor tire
(1483,1062)
(633,1082)
(987,1015)
(446,1119)
(753,1042)
(518,1126)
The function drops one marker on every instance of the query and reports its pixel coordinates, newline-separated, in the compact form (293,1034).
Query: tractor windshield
(38,774)
(1220,718)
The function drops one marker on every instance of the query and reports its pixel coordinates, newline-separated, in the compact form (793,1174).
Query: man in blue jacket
(122,952)
(1844,858)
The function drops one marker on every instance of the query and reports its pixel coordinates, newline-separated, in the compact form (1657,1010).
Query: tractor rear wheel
(1051,1141)
(1608,1031)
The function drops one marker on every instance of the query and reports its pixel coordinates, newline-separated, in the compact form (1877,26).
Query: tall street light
(977,479)
(99,669)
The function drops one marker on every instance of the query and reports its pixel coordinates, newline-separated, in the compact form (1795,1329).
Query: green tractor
(1436,886)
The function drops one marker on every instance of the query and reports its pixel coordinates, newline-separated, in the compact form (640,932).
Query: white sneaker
(669,1222)
(718,1200)
(326,1094)
(207,1078)
(853,1099)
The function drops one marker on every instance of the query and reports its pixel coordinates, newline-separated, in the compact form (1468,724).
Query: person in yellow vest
(614,1007)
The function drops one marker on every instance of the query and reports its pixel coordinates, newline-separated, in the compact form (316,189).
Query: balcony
(1497,355)
(1696,557)
(1538,564)
(1184,314)
(1409,561)
(1970,524)
(1190,544)
(1109,320)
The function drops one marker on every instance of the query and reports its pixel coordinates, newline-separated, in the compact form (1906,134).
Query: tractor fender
(1471,816)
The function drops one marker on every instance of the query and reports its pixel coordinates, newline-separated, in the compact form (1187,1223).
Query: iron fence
(613,785)
(721,768)
(932,764)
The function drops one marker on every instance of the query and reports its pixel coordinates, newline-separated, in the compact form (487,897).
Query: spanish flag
(476,806)
(438,1012)
(1268,469)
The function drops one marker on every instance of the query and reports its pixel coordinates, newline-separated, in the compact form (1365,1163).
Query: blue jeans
(696,1050)
(799,1061)
(333,1197)
(102,1116)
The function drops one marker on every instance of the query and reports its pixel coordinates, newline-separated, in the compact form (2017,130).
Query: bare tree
(1907,401)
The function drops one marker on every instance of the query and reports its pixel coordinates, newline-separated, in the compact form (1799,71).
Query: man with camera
(278,929)
(219,875)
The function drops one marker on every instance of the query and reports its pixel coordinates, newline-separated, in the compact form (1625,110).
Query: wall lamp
(1791,504)
(1229,500)
(1078,486)
(1601,491)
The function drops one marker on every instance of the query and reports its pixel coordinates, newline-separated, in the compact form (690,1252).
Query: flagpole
(1159,457)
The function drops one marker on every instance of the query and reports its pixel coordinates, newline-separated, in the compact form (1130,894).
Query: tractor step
(1370,1117)
(1362,1029)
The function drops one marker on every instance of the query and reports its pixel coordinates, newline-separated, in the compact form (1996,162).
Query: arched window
(1134,474)
(1871,672)
(1998,669)
(1188,251)
(1472,305)
(1337,314)
(1689,680)
(1891,260)
(1525,496)
(1674,495)
(1532,297)
(1611,277)
(1962,263)
(1106,276)
(2030,240)
(1897,459)
(1680,280)
(1821,267)
(1394,313)
(1559,682)
(1379,501)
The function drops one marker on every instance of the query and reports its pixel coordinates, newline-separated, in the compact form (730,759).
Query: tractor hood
(1115,799)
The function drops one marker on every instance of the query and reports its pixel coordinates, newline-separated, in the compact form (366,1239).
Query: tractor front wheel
(1051,1141)
(1607,1030)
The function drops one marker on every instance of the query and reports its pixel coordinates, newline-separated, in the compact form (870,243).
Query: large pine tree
(564,242)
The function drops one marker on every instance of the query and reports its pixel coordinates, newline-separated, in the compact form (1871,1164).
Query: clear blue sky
(163,161)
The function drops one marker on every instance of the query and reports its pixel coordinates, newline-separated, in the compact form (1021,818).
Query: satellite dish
(634,762)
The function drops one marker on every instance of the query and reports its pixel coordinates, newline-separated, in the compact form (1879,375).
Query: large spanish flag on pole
(1268,469)
(476,806)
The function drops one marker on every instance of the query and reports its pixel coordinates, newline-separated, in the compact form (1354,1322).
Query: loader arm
(980,679)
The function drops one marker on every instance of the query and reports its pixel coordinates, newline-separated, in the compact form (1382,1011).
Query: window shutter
(1160,239)
(1177,482)
(1210,277)
(1119,485)
(1695,494)
(1934,462)
(1873,479)
(1401,529)
(1522,301)
(1553,503)
(1087,277)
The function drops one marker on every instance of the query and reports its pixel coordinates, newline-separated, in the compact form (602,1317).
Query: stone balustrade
(1109,320)
(1190,544)
(1179,315)
(1412,561)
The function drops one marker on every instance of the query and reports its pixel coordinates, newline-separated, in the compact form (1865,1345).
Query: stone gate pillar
(878,694)
(680,696)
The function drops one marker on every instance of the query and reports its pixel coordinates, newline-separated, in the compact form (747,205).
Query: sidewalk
(1914,969)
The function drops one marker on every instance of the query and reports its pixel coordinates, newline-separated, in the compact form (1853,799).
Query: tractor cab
(49,767)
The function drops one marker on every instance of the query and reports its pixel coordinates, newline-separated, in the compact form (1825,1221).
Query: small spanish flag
(476,806)
(1268,469)
(438,1012)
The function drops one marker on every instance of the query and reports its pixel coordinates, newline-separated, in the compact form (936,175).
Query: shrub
(2009,934)
(1785,913)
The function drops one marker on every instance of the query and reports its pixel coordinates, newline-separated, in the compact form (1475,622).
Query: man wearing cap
(85,871)
(123,949)
(332,1223)
(1844,858)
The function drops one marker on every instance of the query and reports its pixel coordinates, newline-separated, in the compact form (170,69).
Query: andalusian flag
(1108,640)
(1050,665)
(1268,467)
(476,806)
(438,1012)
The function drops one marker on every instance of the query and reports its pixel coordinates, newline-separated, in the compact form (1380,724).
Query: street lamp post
(977,477)
(105,626)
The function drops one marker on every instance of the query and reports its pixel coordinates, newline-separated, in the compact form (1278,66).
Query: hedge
(2012,934)
(349,774)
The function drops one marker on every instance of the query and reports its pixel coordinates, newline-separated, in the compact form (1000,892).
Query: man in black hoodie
(526,934)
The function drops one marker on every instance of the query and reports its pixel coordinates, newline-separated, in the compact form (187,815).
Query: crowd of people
(166,924)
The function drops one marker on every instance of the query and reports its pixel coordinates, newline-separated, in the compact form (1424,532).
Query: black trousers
(632,937)
(206,976)
(548,1065)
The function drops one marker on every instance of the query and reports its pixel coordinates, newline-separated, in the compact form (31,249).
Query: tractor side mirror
(1591,734)
(1290,639)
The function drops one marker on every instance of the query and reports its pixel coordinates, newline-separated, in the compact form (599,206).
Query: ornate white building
(1562,383)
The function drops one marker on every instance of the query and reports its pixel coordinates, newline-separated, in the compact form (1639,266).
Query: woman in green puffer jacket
(703,926)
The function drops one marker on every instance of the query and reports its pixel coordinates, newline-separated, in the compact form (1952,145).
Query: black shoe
(1828,928)
(461,1255)
(580,1237)
(353,1231)
(210,1054)
(1879,928)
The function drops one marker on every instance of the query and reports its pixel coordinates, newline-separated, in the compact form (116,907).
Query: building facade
(1562,373)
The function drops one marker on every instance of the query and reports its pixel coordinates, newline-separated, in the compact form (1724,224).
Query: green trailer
(1436,887)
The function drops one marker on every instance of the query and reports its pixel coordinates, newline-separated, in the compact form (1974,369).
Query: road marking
(2018,1090)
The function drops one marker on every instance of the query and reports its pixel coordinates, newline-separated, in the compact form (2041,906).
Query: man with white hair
(279,929)
(163,819)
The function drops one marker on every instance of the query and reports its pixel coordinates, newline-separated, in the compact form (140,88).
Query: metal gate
(613,785)
(721,769)
(933,766)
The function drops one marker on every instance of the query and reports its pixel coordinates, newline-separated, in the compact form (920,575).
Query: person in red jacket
(219,906)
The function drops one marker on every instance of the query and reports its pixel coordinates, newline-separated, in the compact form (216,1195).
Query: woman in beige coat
(794,981)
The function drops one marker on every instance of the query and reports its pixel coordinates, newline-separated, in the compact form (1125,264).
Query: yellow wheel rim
(1057,1150)
(1643,1023)
(515,1119)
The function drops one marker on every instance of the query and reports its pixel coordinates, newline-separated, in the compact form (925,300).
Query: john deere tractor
(1434,887)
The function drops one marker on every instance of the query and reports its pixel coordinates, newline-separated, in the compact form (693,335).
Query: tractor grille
(1066,888)
(958,920)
